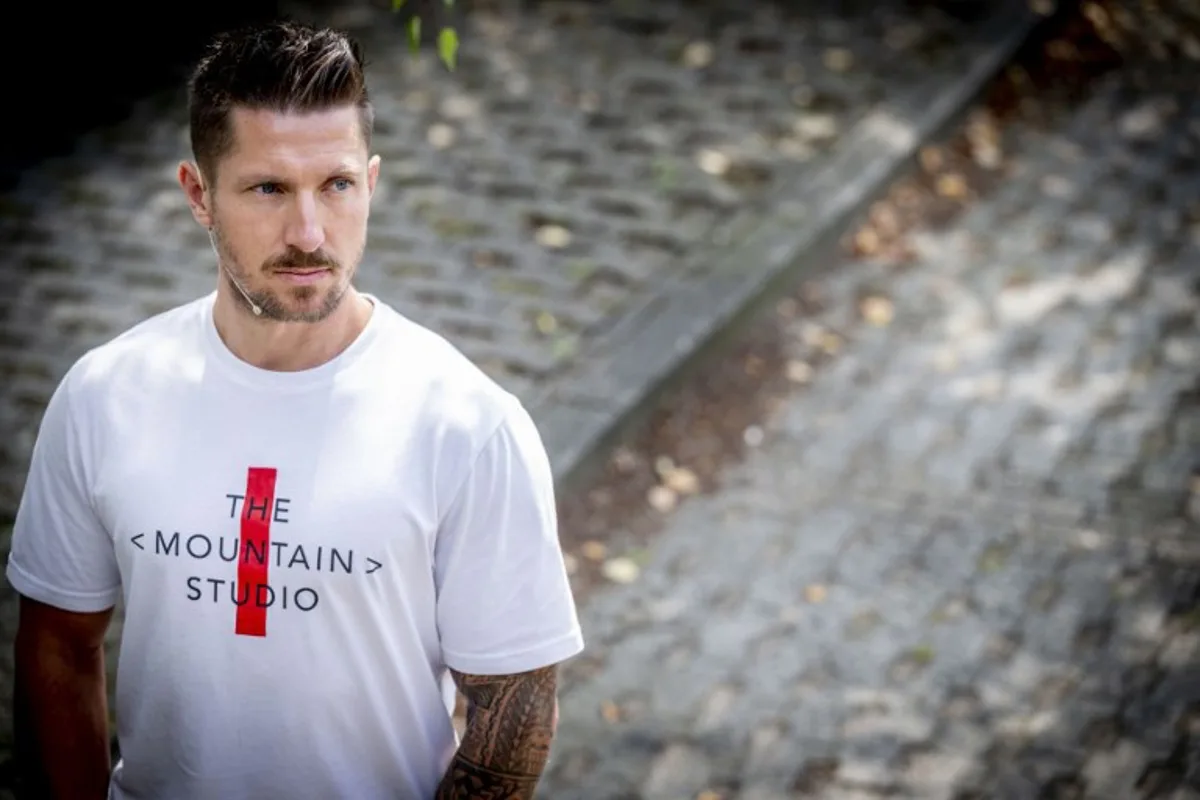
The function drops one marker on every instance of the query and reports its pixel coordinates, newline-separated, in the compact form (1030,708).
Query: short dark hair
(281,66)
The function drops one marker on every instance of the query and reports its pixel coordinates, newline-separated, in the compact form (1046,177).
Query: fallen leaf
(952,185)
(815,593)
(441,136)
(838,59)
(639,556)
(795,149)
(624,459)
(1057,186)
(545,323)
(682,480)
(662,499)
(698,55)
(610,712)
(867,241)
(987,155)
(565,347)
(831,343)
(993,558)
(811,333)
(983,136)
(922,654)
(554,237)
(931,158)
(1141,123)
(885,218)
(814,127)
(593,550)
(460,107)
(799,372)
(878,311)
(714,162)
(709,794)
(621,570)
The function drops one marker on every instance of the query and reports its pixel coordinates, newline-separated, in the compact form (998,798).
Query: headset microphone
(253,306)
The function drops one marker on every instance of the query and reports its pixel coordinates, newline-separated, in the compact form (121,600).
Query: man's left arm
(506,614)
(510,723)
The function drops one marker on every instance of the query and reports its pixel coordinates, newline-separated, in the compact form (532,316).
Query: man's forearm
(61,723)
(510,724)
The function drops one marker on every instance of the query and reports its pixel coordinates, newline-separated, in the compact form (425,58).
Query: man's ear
(196,192)
(372,175)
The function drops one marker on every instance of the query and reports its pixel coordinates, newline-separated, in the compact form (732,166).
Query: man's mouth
(303,275)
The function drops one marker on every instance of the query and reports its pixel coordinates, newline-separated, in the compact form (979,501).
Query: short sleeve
(504,600)
(61,554)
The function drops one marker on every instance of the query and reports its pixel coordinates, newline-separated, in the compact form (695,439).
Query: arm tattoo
(510,723)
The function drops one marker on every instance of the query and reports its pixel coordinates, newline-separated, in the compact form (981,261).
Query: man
(319,516)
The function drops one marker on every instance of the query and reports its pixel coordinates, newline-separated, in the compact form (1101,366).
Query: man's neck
(289,346)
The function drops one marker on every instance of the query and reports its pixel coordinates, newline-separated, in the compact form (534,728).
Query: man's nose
(305,231)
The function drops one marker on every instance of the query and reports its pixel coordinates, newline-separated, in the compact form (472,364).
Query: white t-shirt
(300,555)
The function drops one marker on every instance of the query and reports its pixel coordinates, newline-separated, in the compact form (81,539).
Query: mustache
(298,259)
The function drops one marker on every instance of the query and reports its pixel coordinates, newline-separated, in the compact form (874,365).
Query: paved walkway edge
(809,219)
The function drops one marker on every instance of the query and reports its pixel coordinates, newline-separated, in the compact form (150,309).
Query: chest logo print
(263,557)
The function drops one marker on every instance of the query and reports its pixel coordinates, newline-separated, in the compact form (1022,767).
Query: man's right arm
(62,563)
(60,703)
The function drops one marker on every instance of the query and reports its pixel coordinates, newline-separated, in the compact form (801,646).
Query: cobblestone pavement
(580,163)
(964,561)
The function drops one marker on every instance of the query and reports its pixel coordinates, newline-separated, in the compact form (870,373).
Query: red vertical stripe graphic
(254,552)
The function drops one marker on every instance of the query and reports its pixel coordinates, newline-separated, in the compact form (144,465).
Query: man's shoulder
(456,393)
(165,341)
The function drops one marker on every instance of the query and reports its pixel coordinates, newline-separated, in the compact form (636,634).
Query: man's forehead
(297,134)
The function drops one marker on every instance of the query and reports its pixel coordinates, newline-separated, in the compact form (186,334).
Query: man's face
(289,209)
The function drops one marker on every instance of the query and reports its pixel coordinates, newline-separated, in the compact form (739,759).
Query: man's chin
(306,304)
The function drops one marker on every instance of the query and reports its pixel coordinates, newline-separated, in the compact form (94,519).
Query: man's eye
(267,188)
(342,184)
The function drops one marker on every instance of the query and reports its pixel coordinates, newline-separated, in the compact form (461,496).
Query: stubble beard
(273,307)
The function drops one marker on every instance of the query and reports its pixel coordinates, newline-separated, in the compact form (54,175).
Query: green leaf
(447,45)
(397,5)
(449,3)
(414,34)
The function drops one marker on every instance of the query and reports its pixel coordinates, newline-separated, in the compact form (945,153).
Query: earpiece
(212,239)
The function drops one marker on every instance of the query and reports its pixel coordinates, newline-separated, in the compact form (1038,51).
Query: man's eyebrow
(344,170)
(255,178)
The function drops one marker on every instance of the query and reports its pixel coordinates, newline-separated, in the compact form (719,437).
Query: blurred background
(863,337)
